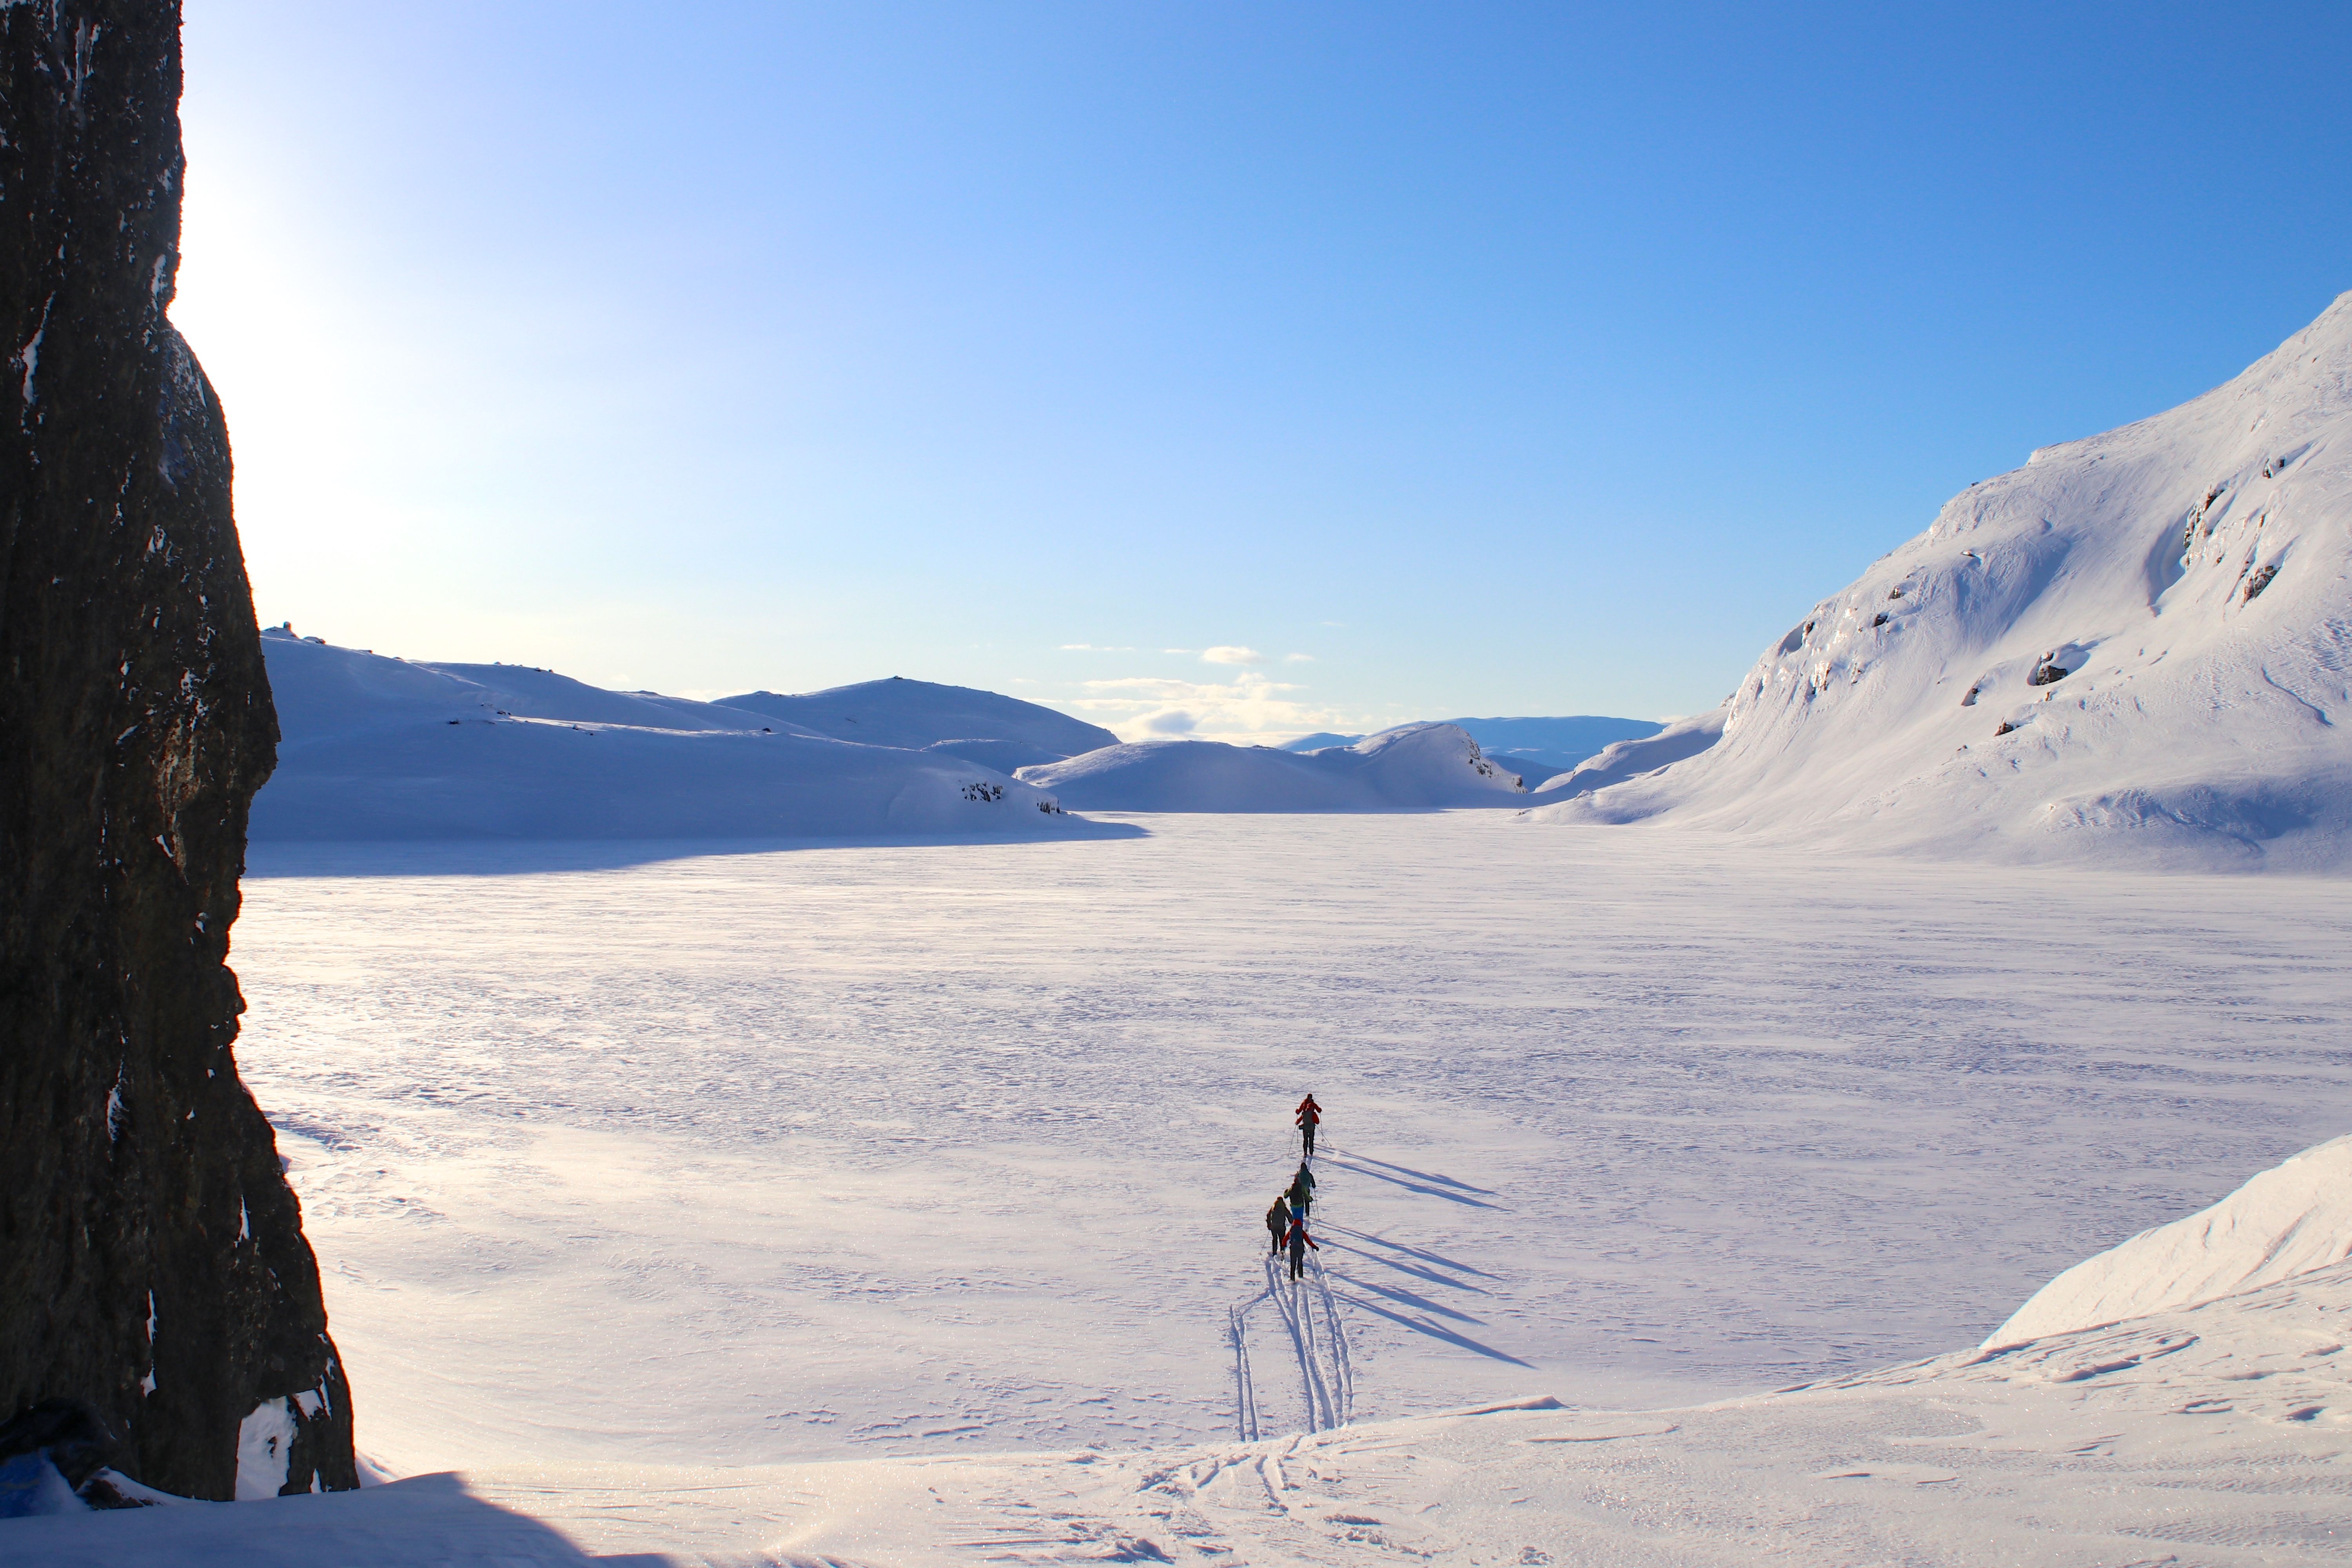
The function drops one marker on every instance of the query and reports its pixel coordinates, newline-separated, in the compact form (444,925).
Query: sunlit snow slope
(1418,766)
(380,748)
(2136,646)
(2289,1220)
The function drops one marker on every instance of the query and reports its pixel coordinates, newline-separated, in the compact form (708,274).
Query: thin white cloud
(1299,658)
(1252,708)
(1226,653)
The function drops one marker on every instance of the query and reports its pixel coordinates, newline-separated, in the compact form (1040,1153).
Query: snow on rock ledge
(2289,1220)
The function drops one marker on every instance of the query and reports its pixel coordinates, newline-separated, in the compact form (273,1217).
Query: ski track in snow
(893,1151)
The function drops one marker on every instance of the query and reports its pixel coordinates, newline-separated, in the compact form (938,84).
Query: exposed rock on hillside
(155,1264)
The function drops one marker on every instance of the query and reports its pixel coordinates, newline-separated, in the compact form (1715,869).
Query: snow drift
(380,748)
(2291,1219)
(2136,646)
(1419,765)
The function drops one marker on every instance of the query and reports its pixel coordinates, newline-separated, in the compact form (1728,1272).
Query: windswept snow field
(764,1158)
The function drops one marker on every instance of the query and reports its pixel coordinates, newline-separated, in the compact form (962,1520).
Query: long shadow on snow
(421,1519)
(1427,1192)
(1434,1330)
(1409,1299)
(1408,1170)
(1438,1258)
(1418,1272)
(513,856)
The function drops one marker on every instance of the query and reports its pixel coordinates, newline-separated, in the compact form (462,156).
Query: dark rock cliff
(152,1258)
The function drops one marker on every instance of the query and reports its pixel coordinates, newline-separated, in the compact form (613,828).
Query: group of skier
(1286,1222)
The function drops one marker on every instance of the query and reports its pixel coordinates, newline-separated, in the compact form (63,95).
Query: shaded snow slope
(2135,644)
(1674,742)
(919,714)
(1531,771)
(2291,1219)
(524,692)
(382,748)
(1419,765)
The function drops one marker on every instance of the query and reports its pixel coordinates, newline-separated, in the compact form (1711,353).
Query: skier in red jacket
(1299,1242)
(1309,1113)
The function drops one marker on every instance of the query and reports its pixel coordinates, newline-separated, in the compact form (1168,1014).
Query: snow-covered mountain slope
(985,727)
(2291,1219)
(1419,765)
(380,748)
(2135,647)
(1624,759)
(320,690)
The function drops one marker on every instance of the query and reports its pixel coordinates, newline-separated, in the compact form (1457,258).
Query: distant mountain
(1419,765)
(378,748)
(1535,748)
(2138,646)
(997,732)
(1563,742)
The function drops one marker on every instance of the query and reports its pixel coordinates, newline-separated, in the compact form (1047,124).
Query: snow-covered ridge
(985,727)
(378,748)
(2137,645)
(1417,766)
(2289,1220)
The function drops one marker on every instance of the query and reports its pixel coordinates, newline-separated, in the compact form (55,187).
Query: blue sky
(1243,370)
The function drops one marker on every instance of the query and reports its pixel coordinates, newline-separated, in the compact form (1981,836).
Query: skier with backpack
(1299,1242)
(1277,1220)
(1309,1113)
(1302,1190)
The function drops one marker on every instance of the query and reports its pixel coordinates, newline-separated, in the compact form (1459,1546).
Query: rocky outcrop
(155,1264)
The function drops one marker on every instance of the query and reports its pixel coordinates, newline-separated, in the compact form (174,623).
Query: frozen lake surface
(839,1152)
